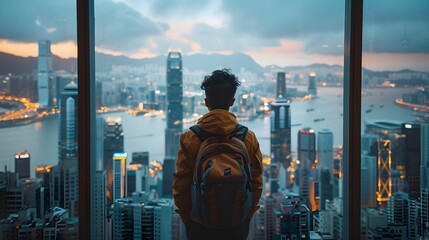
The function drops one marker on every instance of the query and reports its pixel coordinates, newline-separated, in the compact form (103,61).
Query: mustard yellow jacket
(216,122)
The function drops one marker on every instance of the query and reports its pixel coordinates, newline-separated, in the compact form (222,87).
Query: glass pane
(38,120)
(395,119)
(151,58)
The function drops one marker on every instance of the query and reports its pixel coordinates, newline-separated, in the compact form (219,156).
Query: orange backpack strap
(240,132)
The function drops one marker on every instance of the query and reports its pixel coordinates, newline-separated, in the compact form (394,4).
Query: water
(147,134)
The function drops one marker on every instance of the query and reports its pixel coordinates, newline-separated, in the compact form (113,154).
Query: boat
(296,124)
(368,110)
(319,119)
(310,109)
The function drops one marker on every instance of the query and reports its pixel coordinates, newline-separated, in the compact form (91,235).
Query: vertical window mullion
(352,118)
(86,111)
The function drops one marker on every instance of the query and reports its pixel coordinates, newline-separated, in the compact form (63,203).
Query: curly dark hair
(220,88)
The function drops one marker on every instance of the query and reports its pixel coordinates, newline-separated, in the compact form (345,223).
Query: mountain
(104,62)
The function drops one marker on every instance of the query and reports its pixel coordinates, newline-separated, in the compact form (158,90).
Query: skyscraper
(325,142)
(312,89)
(64,177)
(174,118)
(113,143)
(141,158)
(119,175)
(98,211)
(22,164)
(280,132)
(412,158)
(281,84)
(44,74)
(306,157)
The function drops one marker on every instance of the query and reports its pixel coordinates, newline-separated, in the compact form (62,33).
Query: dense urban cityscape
(302,195)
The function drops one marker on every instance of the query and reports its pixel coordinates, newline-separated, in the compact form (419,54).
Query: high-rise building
(98,211)
(293,219)
(306,157)
(174,118)
(412,158)
(384,181)
(136,178)
(113,143)
(22,164)
(280,132)
(68,132)
(64,177)
(141,158)
(60,83)
(119,175)
(281,84)
(369,181)
(424,178)
(44,74)
(312,89)
(403,210)
(325,142)
(325,187)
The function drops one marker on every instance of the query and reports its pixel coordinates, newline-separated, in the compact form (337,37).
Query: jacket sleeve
(257,171)
(182,182)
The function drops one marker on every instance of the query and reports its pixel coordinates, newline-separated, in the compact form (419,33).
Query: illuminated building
(41,170)
(119,175)
(113,143)
(44,74)
(312,89)
(174,118)
(384,181)
(281,84)
(412,158)
(22,164)
(141,158)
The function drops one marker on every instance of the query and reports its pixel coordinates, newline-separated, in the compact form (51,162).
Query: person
(220,88)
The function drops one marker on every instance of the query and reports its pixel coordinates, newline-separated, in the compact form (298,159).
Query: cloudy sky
(282,32)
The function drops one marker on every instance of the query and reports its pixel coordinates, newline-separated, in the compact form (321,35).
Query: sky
(281,32)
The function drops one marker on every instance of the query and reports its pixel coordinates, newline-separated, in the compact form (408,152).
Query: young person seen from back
(218,179)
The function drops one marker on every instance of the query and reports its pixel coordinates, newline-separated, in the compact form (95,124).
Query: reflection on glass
(395,120)
(38,121)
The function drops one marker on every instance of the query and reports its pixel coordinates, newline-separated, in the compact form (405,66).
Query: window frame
(351,120)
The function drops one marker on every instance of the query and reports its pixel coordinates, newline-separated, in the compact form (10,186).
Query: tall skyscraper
(281,84)
(412,158)
(369,181)
(44,74)
(280,132)
(119,175)
(307,157)
(403,210)
(64,177)
(22,164)
(113,143)
(312,88)
(174,118)
(325,142)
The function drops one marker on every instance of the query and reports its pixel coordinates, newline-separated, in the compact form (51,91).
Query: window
(38,120)
(394,121)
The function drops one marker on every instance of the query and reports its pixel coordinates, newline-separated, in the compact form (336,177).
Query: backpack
(222,179)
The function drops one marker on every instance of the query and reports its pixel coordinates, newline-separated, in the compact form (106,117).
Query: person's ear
(232,102)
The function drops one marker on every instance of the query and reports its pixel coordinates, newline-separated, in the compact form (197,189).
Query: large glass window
(38,120)
(151,58)
(394,151)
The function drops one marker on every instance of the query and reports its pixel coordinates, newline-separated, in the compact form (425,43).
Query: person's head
(220,88)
